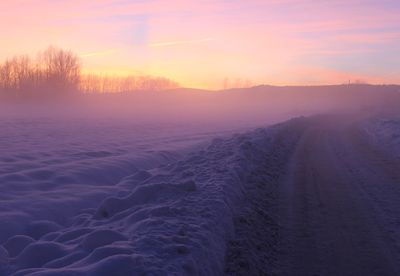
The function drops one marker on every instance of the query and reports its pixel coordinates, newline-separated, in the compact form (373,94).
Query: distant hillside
(250,106)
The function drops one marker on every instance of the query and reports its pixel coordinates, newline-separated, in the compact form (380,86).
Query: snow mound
(176,219)
(385,134)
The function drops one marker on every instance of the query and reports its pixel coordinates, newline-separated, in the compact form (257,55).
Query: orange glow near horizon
(204,44)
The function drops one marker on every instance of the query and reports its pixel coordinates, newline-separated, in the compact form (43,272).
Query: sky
(214,43)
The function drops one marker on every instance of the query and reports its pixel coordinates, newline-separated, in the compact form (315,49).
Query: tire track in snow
(331,223)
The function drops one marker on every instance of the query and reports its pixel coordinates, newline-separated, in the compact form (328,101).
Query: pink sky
(201,43)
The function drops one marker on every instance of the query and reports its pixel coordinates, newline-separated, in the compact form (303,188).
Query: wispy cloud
(352,36)
(101,53)
(180,42)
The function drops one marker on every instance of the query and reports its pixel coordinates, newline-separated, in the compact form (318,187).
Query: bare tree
(113,84)
(57,72)
(5,75)
(61,68)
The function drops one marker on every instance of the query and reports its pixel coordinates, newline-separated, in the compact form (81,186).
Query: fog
(52,85)
(134,168)
(250,107)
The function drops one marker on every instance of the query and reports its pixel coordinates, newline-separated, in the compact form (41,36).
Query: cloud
(96,54)
(180,42)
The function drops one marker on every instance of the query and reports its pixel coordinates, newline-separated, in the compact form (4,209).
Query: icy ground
(385,132)
(52,170)
(311,196)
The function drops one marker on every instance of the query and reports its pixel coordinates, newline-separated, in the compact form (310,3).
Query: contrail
(180,42)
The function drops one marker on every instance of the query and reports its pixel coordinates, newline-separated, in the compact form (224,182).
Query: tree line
(113,84)
(56,72)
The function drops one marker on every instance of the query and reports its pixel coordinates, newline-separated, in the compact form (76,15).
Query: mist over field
(179,181)
(199,138)
(53,83)
(259,105)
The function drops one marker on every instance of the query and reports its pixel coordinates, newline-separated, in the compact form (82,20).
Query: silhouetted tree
(61,69)
(55,71)
(58,72)
(113,84)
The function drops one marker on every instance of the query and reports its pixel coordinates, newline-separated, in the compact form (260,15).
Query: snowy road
(310,196)
(340,205)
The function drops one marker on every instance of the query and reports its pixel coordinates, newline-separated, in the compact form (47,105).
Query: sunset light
(199,137)
(200,43)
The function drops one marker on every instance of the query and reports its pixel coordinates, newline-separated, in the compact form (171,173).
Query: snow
(106,196)
(133,203)
(385,133)
(339,208)
(54,173)
(63,167)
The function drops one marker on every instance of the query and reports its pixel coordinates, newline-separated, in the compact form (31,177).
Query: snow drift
(385,133)
(174,219)
(89,192)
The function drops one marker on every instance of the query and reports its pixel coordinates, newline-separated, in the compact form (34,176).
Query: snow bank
(176,219)
(54,169)
(385,134)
